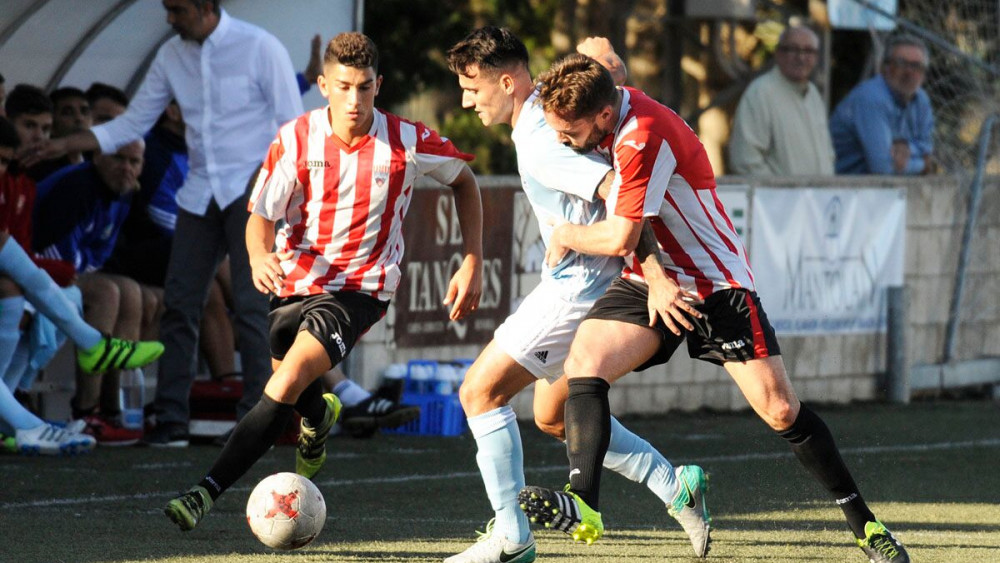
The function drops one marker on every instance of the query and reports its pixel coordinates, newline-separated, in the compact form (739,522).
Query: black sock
(813,444)
(588,432)
(311,405)
(252,437)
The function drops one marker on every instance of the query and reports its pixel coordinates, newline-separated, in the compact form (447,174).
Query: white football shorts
(538,334)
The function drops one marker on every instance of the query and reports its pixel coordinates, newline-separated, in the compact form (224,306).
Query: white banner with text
(823,259)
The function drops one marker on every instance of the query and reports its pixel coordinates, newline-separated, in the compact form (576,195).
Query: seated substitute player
(662,172)
(340,178)
(22,280)
(531,345)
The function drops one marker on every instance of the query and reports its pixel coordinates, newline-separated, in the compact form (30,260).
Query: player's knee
(780,414)
(470,394)
(580,365)
(101,292)
(285,386)
(8,288)
(150,307)
(554,428)
(478,397)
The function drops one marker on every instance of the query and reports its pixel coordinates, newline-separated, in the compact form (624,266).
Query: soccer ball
(286,511)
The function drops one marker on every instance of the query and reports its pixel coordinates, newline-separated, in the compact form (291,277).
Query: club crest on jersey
(381,172)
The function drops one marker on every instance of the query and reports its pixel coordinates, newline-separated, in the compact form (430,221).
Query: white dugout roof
(54,43)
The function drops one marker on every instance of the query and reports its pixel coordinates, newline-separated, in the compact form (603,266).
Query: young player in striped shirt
(338,182)
(663,173)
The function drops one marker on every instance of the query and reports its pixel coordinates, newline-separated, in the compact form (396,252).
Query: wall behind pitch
(831,368)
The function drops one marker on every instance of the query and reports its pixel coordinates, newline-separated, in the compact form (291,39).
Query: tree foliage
(414,36)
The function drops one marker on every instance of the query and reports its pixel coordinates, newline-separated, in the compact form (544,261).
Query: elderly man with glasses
(885,124)
(780,127)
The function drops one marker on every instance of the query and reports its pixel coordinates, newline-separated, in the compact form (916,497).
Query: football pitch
(931,471)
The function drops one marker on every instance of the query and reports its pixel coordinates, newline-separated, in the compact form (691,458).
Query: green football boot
(563,511)
(114,353)
(880,546)
(311,451)
(189,508)
(689,509)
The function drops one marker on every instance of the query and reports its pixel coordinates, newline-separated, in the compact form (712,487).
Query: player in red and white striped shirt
(338,182)
(663,173)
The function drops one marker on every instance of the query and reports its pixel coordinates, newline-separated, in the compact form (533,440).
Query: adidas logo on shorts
(542,356)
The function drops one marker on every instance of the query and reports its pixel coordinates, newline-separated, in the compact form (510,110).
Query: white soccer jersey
(663,173)
(341,207)
(561,185)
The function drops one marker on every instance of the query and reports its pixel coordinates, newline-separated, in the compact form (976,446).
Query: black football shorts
(337,320)
(733,327)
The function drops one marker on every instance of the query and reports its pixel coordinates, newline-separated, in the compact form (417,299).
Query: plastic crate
(440,414)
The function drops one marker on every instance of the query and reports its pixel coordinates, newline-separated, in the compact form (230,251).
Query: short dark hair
(8,134)
(901,39)
(352,49)
(99,90)
(2,79)
(216,7)
(576,86)
(26,99)
(65,93)
(490,48)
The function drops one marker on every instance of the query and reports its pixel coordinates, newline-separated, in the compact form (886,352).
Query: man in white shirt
(235,85)
(780,128)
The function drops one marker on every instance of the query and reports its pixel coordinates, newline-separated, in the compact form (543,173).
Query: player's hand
(900,152)
(601,50)
(31,155)
(465,288)
(556,251)
(268,277)
(668,301)
(595,47)
(314,67)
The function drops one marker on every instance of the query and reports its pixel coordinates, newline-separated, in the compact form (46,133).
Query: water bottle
(446,377)
(132,397)
(422,375)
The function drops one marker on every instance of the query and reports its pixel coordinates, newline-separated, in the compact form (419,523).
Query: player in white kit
(532,344)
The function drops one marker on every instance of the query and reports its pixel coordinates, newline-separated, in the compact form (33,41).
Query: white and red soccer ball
(286,511)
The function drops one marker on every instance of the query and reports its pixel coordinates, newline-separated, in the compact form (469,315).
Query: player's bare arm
(614,236)
(666,299)
(55,148)
(265,265)
(604,188)
(466,286)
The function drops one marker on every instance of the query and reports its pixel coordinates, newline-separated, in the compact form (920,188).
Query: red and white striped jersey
(663,173)
(340,208)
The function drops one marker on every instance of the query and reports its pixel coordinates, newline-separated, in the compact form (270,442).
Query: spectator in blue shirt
(78,215)
(81,209)
(885,124)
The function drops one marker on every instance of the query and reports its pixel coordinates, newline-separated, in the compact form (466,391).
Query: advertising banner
(822,259)
(433,253)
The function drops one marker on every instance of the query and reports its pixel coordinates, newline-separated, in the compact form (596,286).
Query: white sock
(46,296)
(501,464)
(350,393)
(18,367)
(14,413)
(11,311)
(634,458)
